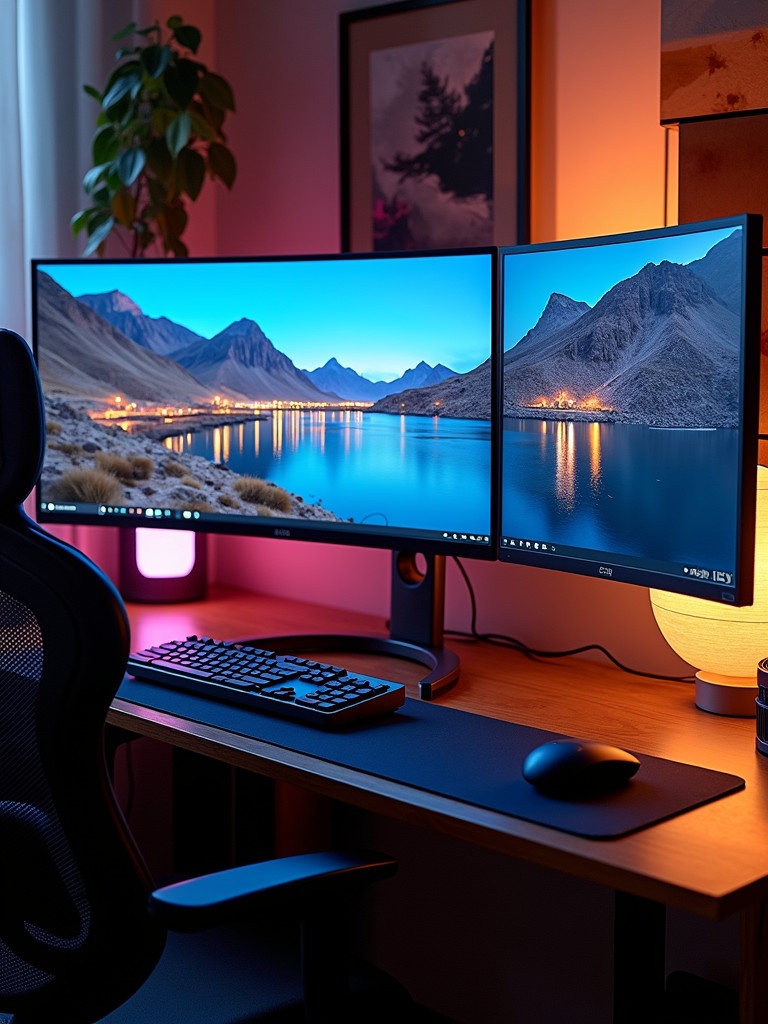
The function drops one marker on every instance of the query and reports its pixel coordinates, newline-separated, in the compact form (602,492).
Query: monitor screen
(339,398)
(630,392)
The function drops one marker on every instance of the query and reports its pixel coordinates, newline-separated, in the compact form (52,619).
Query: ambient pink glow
(161,554)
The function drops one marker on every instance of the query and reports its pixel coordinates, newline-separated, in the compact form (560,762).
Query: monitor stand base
(442,663)
(417,609)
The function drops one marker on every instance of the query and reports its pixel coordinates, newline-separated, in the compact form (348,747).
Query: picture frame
(434,124)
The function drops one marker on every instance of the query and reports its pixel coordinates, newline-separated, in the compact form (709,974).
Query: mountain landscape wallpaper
(622,375)
(268,388)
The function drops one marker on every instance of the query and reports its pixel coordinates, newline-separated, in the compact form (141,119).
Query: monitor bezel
(608,567)
(357,535)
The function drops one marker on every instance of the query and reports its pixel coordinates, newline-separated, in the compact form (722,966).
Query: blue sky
(586,272)
(380,316)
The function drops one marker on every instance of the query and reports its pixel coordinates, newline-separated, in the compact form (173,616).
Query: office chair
(84,936)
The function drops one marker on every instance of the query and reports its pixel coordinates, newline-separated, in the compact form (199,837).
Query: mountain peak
(561,307)
(111,302)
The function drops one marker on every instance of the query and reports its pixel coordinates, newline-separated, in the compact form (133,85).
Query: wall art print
(433,126)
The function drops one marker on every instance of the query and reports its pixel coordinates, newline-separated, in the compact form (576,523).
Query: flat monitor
(343,398)
(630,395)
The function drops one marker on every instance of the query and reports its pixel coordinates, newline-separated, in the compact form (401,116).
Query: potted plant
(159,134)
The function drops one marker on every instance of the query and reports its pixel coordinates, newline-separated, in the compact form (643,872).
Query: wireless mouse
(572,767)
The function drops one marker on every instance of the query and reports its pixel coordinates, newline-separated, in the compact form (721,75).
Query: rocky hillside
(84,356)
(659,348)
(166,480)
(159,334)
(466,396)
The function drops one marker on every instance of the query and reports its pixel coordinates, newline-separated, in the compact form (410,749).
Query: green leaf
(222,163)
(128,30)
(79,221)
(177,133)
(202,127)
(191,173)
(158,193)
(162,117)
(181,80)
(159,160)
(98,232)
(112,180)
(121,85)
(129,67)
(174,21)
(188,36)
(213,117)
(154,60)
(94,93)
(101,198)
(217,91)
(93,177)
(130,164)
(106,144)
(172,221)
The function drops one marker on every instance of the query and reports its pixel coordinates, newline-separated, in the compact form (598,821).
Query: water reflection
(565,464)
(623,488)
(595,456)
(405,470)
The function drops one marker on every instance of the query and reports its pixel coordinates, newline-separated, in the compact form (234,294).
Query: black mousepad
(463,756)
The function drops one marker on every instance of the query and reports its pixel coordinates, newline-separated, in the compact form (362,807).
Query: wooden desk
(711,861)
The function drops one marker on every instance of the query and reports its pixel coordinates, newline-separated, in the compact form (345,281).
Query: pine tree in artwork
(456,133)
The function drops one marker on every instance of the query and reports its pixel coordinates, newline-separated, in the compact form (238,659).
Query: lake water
(419,472)
(634,490)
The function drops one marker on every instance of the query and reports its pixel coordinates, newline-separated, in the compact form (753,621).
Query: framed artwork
(714,58)
(434,124)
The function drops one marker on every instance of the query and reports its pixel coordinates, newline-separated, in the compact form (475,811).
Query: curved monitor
(337,398)
(342,398)
(630,395)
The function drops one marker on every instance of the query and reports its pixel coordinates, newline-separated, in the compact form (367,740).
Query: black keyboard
(276,684)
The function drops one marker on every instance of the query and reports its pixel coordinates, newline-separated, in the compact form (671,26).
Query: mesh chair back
(74,927)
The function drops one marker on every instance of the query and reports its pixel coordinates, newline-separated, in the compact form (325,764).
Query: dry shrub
(69,448)
(91,485)
(117,465)
(256,491)
(142,467)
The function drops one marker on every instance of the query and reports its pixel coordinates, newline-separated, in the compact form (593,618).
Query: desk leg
(753,965)
(639,946)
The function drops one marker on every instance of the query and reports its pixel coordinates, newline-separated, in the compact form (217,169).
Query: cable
(503,640)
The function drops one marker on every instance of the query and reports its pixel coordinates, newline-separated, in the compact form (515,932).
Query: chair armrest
(290,884)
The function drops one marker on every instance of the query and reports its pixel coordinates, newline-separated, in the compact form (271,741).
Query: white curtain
(12,269)
(49,49)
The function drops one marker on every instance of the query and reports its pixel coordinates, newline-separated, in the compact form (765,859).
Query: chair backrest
(75,934)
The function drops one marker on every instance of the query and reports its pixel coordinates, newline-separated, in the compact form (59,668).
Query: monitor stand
(415,626)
